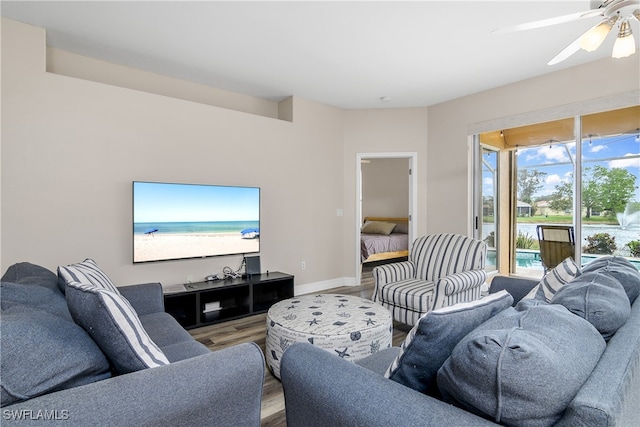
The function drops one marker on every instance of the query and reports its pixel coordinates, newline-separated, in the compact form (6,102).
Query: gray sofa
(321,389)
(54,374)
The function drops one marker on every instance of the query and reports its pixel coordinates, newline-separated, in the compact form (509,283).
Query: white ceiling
(346,54)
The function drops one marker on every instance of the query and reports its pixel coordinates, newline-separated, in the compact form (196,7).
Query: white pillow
(87,272)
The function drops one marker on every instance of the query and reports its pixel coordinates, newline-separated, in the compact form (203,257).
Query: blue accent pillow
(87,272)
(522,368)
(598,298)
(619,268)
(31,274)
(526,304)
(42,350)
(432,339)
(114,325)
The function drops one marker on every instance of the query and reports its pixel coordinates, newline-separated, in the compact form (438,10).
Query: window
(546,165)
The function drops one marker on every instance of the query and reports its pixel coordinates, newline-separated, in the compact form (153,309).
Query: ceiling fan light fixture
(592,39)
(625,44)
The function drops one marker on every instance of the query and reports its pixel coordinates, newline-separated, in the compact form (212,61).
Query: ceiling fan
(613,12)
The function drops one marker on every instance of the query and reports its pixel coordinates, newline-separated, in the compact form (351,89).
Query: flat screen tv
(178,221)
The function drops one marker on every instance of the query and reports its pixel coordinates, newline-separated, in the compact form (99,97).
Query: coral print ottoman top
(347,326)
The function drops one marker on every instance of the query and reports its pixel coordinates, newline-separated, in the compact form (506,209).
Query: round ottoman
(349,327)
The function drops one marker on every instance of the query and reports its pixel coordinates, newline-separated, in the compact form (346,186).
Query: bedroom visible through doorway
(386,193)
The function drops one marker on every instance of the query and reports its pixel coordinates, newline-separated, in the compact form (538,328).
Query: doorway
(410,162)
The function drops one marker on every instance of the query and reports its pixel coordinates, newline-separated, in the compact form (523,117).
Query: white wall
(72,147)
(73,65)
(560,94)
(385,187)
(381,131)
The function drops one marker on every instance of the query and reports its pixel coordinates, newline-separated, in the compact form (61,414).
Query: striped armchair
(442,270)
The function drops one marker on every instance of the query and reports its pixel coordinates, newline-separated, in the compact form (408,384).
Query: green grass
(558,219)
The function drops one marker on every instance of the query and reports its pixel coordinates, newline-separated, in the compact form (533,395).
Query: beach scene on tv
(177,221)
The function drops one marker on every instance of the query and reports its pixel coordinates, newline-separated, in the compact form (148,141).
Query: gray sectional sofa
(56,369)
(528,357)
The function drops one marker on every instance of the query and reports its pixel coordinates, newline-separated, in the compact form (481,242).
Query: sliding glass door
(539,174)
(610,185)
(490,194)
(544,197)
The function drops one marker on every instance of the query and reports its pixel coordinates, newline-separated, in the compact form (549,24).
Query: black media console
(204,303)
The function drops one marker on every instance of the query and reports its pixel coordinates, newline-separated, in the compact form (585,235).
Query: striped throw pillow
(562,274)
(87,272)
(114,325)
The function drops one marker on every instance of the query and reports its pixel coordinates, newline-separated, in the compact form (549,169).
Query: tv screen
(177,221)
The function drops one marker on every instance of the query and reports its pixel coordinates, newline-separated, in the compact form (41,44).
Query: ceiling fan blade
(571,49)
(567,52)
(549,21)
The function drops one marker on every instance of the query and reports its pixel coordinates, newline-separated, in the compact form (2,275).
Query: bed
(380,240)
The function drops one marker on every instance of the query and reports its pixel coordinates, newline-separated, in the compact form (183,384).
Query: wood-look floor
(253,328)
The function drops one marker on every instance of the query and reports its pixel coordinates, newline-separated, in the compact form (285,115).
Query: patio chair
(557,243)
(442,270)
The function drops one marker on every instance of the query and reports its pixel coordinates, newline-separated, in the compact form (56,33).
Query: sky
(164,202)
(615,152)
(621,151)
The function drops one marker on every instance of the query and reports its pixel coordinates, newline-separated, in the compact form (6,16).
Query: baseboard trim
(317,287)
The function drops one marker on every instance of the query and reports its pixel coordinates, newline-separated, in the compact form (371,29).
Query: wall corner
(285,109)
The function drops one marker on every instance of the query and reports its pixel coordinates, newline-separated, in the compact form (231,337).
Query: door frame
(412,156)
